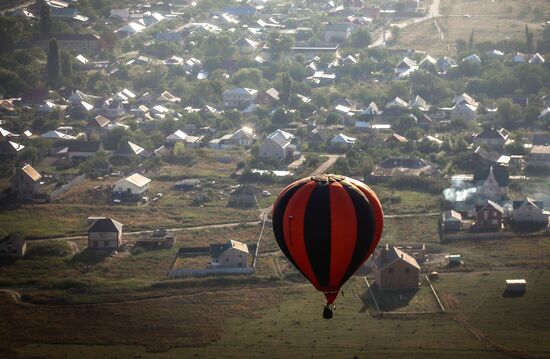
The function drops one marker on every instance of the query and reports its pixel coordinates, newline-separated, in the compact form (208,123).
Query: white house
(397,103)
(277,145)
(464,111)
(178,136)
(246,46)
(135,184)
(342,141)
(232,254)
(539,156)
(405,67)
(472,59)
(537,59)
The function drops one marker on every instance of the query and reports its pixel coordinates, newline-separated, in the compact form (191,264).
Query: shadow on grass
(90,256)
(7,261)
(510,294)
(393,300)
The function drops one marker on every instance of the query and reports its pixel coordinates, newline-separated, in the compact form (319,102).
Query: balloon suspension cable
(328,312)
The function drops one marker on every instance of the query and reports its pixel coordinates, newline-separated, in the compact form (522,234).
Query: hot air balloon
(327,226)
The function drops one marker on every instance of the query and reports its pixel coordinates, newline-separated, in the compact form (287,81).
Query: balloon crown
(327,178)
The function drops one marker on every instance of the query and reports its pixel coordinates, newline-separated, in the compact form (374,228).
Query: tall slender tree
(286,89)
(471,41)
(54,62)
(45,18)
(528,39)
(66,64)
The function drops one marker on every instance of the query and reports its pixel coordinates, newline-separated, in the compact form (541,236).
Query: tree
(460,46)
(471,41)
(361,38)
(54,62)
(66,64)
(286,88)
(279,44)
(508,112)
(45,18)
(528,39)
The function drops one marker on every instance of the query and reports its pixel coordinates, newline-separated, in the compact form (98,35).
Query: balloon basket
(328,312)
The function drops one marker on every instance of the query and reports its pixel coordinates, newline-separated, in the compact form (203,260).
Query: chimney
(401,255)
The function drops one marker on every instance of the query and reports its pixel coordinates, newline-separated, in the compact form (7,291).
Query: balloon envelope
(327,226)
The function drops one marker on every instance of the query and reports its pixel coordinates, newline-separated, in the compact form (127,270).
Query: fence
(209,271)
(58,192)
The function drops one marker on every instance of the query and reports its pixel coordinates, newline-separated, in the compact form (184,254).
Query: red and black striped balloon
(327,226)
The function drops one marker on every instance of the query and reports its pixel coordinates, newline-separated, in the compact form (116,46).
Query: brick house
(396,270)
(489,217)
(232,254)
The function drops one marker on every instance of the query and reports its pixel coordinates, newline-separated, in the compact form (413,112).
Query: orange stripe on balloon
(343,233)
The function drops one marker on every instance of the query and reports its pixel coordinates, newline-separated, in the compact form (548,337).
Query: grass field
(287,323)
(490,20)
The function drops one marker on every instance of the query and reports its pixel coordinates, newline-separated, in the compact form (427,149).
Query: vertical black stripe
(317,234)
(366,223)
(278,220)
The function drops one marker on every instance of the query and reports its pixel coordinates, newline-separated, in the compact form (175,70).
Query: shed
(516,285)
(455,259)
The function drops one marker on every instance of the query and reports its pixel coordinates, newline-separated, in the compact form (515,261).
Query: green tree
(286,89)
(361,38)
(508,112)
(45,18)
(279,44)
(54,62)
(66,63)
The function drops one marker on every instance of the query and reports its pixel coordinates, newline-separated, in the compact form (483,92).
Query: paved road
(433,12)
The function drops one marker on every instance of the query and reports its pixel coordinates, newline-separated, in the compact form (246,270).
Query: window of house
(239,264)
(240,256)
(95,243)
(407,270)
(105,243)
(390,271)
(216,260)
(227,259)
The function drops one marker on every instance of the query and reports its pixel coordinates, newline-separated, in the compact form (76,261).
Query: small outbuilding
(455,259)
(13,246)
(516,285)
(134,185)
(244,196)
(451,221)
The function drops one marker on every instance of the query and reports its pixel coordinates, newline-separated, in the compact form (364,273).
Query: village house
(129,149)
(268,98)
(246,46)
(26,185)
(337,32)
(492,183)
(539,157)
(396,270)
(243,137)
(403,167)
(79,43)
(405,67)
(277,146)
(244,196)
(489,217)
(105,233)
(13,246)
(80,149)
(233,254)
(239,97)
(97,125)
(530,212)
(451,221)
(342,142)
(491,137)
(10,148)
(131,187)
